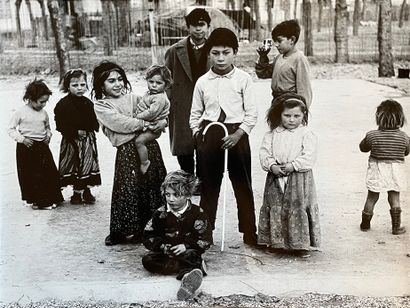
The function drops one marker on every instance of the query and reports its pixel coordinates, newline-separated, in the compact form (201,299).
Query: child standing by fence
(152,107)
(30,128)
(290,68)
(289,216)
(388,146)
(76,121)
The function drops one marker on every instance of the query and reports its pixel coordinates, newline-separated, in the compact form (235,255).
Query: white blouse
(297,146)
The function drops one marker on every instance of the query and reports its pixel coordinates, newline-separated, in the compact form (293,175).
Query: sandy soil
(61,254)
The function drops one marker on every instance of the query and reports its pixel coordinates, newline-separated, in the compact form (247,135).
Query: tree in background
(285,6)
(356,17)
(320,13)
(44,18)
(123,11)
(269,7)
(55,9)
(32,24)
(384,38)
(403,9)
(108,25)
(341,36)
(363,12)
(307,25)
(20,41)
(255,7)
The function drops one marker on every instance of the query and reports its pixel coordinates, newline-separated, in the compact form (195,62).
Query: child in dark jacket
(178,234)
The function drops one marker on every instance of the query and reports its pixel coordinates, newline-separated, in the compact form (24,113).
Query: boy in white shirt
(224,94)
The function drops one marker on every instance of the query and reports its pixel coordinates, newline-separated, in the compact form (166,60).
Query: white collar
(196,46)
(181,211)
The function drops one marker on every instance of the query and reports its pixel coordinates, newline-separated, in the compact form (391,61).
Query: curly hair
(286,100)
(162,71)
(390,115)
(70,74)
(100,75)
(36,89)
(183,183)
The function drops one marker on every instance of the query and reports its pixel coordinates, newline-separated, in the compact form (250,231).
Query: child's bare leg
(371,200)
(367,213)
(142,150)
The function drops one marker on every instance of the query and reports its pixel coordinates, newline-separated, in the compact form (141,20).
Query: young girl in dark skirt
(30,128)
(76,120)
(134,196)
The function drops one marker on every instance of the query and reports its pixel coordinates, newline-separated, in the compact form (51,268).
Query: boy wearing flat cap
(187,61)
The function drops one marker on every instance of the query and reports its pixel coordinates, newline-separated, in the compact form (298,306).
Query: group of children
(180,232)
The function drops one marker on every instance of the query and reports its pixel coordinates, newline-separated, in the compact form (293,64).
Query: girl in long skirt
(76,120)
(135,196)
(289,216)
(30,128)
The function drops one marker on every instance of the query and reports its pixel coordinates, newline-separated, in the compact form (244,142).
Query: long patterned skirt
(135,196)
(290,219)
(38,175)
(78,164)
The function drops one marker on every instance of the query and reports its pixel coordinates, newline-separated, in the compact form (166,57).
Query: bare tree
(341,36)
(32,23)
(356,17)
(20,41)
(55,9)
(107,21)
(320,13)
(230,4)
(285,6)
(269,7)
(295,9)
(403,8)
(307,24)
(44,18)
(363,12)
(256,9)
(122,9)
(384,37)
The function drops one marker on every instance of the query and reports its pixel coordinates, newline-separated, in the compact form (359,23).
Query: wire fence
(136,48)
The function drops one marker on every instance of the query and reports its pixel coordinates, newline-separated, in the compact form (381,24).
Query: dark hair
(73,73)
(197,15)
(287,28)
(183,183)
(286,100)
(222,37)
(390,115)
(100,75)
(36,89)
(161,70)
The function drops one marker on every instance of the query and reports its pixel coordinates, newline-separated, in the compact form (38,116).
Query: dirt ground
(60,254)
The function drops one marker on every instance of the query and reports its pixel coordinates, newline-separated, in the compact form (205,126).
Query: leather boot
(396,221)
(365,224)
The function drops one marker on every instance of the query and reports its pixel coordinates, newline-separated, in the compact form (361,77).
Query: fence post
(153,36)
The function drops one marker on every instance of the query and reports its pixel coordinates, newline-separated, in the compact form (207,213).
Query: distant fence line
(136,52)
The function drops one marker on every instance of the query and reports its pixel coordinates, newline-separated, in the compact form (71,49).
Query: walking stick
(224,178)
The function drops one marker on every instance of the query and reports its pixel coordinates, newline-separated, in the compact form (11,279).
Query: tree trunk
(341,36)
(402,13)
(57,26)
(32,24)
(307,24)
(122,9)
(44,18)
(285,6)
(384,37)
(230,4)
(20,41)
(269,7)
(320,13)
(107,27)
(295,9)
(356,17)
(364,7)
(257,20)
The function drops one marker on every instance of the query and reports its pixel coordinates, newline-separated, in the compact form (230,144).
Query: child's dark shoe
(76,199)
(395,214)
(365,224)
(88,198)
(114,239)
(41,206)
(189,285)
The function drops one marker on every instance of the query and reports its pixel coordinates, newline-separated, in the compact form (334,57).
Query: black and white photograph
(204,153)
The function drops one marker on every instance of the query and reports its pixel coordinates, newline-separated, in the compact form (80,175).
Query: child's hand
(277,170)
(231,140)
(28,142)
(82,134)
(178,249)
(263,51)
(158,126)
(287,168)
(166,248)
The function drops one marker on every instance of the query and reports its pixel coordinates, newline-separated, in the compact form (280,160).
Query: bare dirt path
(61,254)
